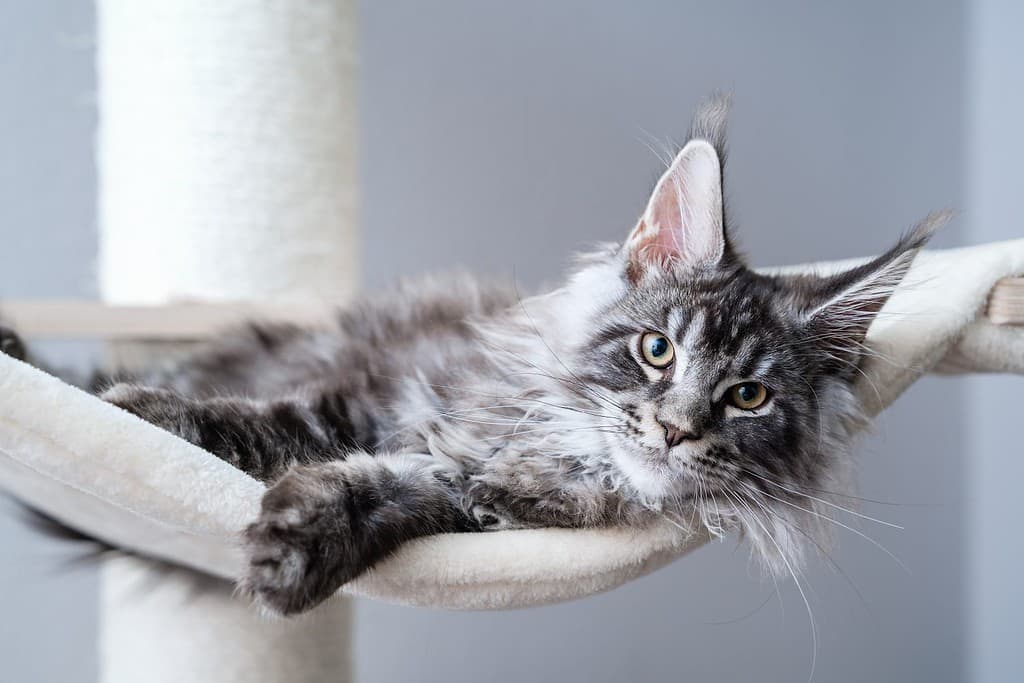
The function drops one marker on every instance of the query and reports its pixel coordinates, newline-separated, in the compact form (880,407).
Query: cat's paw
(490,518)
(299,547)
(11,344)
(160,407)
(135,398)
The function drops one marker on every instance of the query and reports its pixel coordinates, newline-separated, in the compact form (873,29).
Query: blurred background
(508,135)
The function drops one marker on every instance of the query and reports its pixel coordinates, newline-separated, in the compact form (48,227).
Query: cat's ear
(840,308)
(684,221)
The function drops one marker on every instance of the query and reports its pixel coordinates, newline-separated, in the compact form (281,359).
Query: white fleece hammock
(117,478)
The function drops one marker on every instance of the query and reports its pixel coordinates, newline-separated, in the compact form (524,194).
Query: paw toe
(277,569)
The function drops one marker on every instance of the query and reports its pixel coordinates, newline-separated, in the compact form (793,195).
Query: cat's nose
(675,435)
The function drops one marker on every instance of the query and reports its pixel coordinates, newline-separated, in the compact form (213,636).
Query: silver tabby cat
(664,379)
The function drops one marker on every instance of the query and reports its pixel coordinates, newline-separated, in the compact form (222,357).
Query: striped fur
(455,405)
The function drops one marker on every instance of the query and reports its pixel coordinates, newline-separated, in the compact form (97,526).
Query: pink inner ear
(667,214)
(660,236)
(683,220)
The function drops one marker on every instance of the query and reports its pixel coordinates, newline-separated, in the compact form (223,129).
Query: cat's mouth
(673,456)
(661,459)
(657,473)
(686,469)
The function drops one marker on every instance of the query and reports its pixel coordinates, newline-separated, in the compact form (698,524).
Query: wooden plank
(72,319)
(1006,302)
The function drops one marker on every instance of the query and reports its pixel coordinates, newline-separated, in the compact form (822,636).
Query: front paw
(491,518)
(160,407)
(300,549)
(138,400)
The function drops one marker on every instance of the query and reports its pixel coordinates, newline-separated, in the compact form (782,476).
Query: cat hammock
(105,472)
(227,174)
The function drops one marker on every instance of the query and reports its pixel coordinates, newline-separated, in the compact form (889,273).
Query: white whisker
(824,502)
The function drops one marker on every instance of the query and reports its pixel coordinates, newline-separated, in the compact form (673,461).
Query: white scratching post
(161,624)
(227,150)
(227,172)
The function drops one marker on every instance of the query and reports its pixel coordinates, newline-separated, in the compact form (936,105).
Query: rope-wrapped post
(227,172)
(227,150)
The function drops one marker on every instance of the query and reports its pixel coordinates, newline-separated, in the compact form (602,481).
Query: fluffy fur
(456,405)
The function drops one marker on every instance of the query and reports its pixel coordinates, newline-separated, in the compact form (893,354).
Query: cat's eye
(657,349)
(748,395)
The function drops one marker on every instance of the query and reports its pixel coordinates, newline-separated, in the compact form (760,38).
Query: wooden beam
(72,319)
(1006,302)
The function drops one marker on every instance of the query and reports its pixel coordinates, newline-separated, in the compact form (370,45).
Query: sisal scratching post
(227,172)
(204,634)
(227,150)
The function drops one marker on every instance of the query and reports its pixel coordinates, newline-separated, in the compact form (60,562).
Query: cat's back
(419,326)
(426,307)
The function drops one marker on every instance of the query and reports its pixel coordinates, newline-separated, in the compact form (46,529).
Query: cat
(663,379)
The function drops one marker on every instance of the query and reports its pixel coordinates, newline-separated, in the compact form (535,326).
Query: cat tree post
(227,172)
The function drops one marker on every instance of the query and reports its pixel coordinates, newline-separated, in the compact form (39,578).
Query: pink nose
(676,435)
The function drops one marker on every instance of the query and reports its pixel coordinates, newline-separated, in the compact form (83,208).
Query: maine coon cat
(663,379)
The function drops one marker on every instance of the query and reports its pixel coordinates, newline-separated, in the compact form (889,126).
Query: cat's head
(729,387)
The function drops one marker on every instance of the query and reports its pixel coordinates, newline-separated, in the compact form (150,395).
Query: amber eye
(748,395)
(657,349)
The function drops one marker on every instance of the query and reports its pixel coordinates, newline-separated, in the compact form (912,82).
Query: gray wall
(47,237)
(996,549)
(516,133)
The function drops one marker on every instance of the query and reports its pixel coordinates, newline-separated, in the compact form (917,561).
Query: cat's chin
(648,474)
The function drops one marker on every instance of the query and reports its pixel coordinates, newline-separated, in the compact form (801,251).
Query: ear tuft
(843,306)
(918,236)
(710,122)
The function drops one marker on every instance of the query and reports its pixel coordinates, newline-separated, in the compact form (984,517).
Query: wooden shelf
(71,319)
(1006,302)
(74,319)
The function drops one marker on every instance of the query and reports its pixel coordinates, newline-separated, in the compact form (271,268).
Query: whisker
(502,397)
(536,331)
(799,587)
(821,549)
(574,382)
(817,409)
(738,619)
(603,430)
(823,501)
(840,524)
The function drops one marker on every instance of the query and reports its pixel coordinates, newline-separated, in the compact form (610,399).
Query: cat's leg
(261,438)
(324,524)
(542,492)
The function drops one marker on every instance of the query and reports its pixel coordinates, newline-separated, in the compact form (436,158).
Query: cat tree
(227,162)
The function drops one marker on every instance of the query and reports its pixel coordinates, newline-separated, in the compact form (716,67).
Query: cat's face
(722,384)
(715,380)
